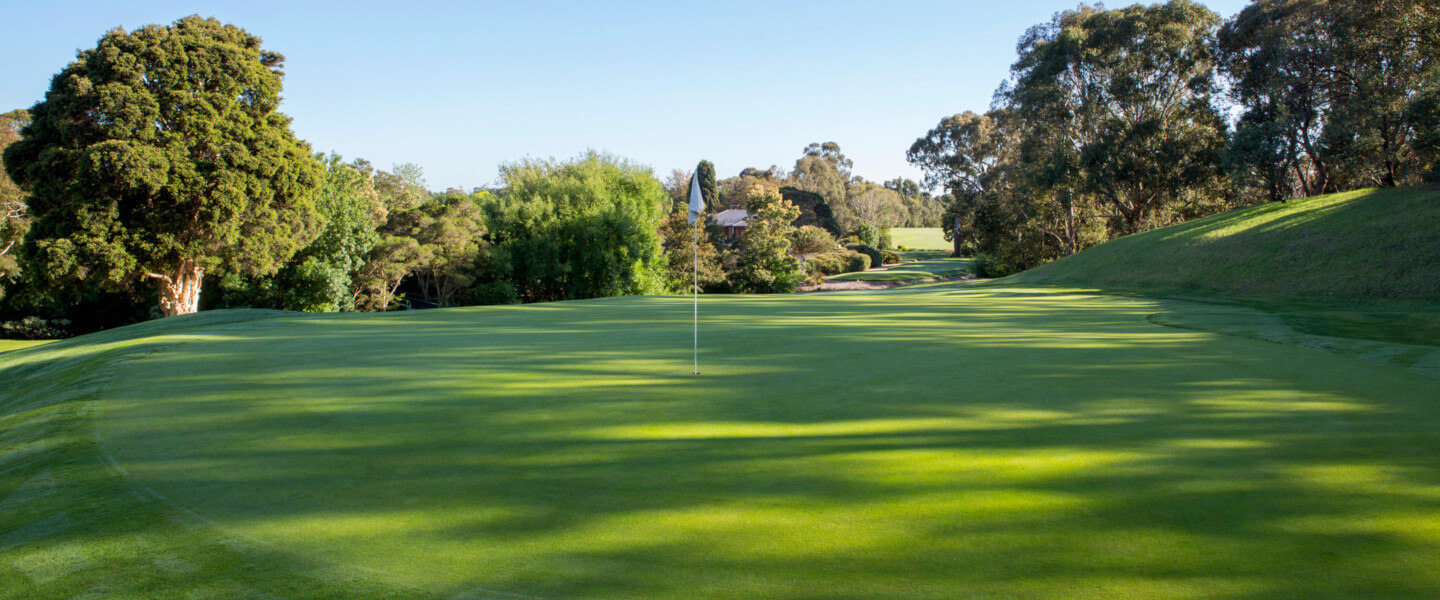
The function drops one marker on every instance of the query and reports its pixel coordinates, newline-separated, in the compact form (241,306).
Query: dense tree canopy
(160,155)
(585,228)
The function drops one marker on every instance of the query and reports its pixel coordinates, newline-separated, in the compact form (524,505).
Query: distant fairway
(919,238)
(925,269)
(940,442)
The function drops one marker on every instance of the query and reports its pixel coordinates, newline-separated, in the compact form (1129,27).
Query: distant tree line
(1119,121)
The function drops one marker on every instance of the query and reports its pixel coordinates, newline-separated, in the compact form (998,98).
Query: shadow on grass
(983,442)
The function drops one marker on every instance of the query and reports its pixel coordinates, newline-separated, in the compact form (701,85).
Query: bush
(987,266)
(889,257)
(875,258)
(868,234)
(811,240)
(835,263)
(35,328)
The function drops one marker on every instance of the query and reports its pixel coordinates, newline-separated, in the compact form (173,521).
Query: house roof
(734,217)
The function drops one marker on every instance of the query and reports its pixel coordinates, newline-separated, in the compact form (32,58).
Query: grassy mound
(1371,244)
(916,443)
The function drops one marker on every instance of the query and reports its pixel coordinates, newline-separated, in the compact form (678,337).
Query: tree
(160,155)
(682,255)
(766,265)
(447,231)
(1328,90)
(586,228)
(14,213)
(823,170)
(706,172)
(1117,105)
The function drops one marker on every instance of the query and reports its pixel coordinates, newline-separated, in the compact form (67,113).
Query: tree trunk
(180,289)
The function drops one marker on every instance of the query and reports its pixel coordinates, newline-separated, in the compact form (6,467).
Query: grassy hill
(927,442)
(1371,244)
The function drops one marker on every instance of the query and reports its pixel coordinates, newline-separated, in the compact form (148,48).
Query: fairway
(925,269)
(941,442)
(919,238)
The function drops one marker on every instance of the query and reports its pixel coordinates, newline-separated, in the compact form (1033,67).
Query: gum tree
(159,155)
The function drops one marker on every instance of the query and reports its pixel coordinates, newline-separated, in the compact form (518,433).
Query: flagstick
(695,291)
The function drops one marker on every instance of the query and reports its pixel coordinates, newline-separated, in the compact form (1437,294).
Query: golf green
(943,442)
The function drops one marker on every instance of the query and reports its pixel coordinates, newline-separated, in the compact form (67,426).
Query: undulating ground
(936,442)
(924,269)
(1367,244)
(1031,437)
(919,238)
(8,345)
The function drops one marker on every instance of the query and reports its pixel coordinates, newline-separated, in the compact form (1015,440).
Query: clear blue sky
(461,87)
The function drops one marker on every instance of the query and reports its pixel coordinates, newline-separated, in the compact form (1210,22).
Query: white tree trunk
(180,289)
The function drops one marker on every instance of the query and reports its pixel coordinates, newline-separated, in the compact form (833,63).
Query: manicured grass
(1366,244)
(936,442)
(8,345)
(913,255)
(919,238)
(925,269)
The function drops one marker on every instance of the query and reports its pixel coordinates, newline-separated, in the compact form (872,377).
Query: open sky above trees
(458,88)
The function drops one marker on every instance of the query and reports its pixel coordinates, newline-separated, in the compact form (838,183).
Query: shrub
(35,328)
(835,263)
(811,240)
(890,257)
(987,266)
(875,258)
(868,234)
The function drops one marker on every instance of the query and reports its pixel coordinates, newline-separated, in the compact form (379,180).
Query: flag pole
(696,214)
(695,291)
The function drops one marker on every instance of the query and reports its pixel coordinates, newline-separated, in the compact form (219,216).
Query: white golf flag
(697,200)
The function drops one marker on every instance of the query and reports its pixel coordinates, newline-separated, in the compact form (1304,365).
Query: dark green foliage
(34,328)
(586,228)
(705,170)
(685,261)
(766,266)
(814,210)
(889,257)
(868,234)
(988,266)
(1330,91)
(876,259)
(837,262)
(809,239)
(159,155)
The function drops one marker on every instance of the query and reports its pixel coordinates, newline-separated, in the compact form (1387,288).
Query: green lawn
(1365,244)
(925,269)
(946,441)
(8,345)
(919,238)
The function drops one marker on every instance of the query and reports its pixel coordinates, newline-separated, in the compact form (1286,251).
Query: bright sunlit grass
(940,442)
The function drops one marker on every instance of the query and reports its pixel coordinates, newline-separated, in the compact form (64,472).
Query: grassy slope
(919,238)
(917,443)
(925,269)
(8,345)
(1358,245)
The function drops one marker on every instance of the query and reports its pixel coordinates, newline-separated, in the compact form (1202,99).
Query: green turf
(8,345)
(925,269)
(947,441)
(919,238)
(913,255)
(1359,245)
